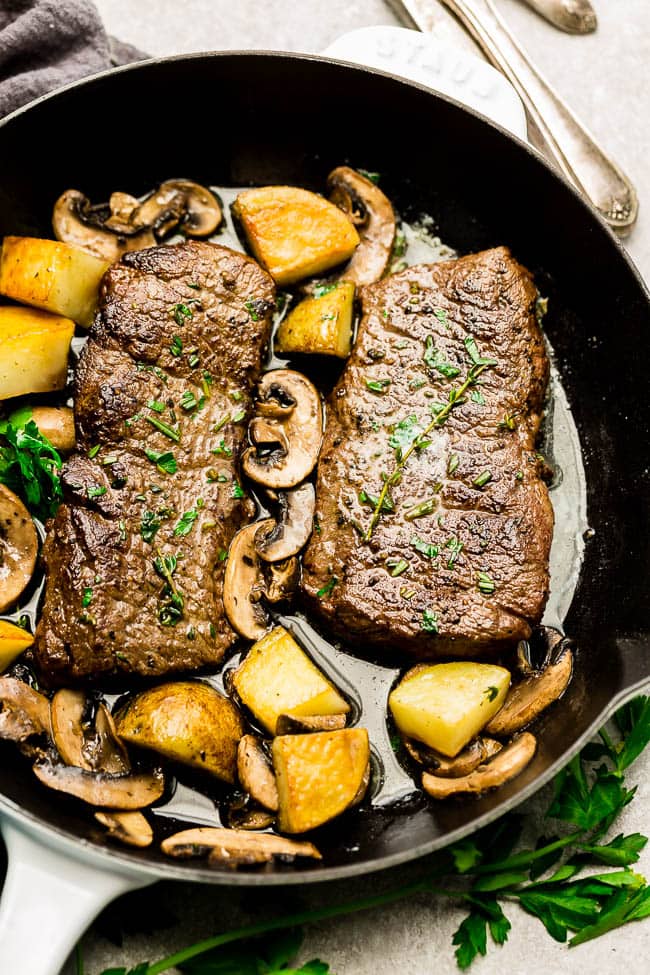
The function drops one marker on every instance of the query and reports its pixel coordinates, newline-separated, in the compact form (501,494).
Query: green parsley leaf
(164,460)
(29,466)
(186,522)
(471,939)
(176,347)
(485,584)
(95,490)
(181,313)
(222,450)
(378,385)
(87,597)
(433,361)
(327,588)
(477,359)
(387,506)
(237,491)
(429,621)
(149,525)
(425,548)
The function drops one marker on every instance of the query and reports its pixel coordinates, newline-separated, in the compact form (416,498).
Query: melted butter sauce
(366,683)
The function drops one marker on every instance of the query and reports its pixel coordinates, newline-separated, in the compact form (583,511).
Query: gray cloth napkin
(47,43)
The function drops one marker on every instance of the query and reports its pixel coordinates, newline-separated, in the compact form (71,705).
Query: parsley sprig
(29,464)
(441,412)
(553,880)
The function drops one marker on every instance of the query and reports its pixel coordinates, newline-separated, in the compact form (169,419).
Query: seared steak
(134,557)
(458,565)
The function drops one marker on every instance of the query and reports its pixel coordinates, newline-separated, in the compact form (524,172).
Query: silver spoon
(554,128)
(573,16)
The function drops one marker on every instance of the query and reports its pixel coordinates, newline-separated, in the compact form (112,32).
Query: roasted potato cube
(188,722)
(13,641)
(277,677)
(34,347)
(318,775)
(321,324)
(446,705)
(294,233)
(51,275)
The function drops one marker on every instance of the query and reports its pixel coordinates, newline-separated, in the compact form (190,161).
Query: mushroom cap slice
(527,698)
(18,547)
(508,763)
(56,424)
(128,827)
(75,222)
(234,847)
(371,211)
(477,752)
(250,818)
(281,579)
(255,773)
(288,442)
(23,711)
(202,212)
(96,749)
(133,791)
(243,584)
(290,724)
(292,527)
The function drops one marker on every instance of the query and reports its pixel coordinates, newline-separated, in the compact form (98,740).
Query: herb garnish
(421,509)
(429,621)
(149,525)
(456,548)
(485,584)
(387,503)
(171,600)
(324,289)
(95,490)
(87,597)
(483,478)
(433,361)
(491,692)
(440,414)
(377,385)
(176,348)
(29,464)
(425,548)
(222,450)
(189,401)
(237,491)
(454,461)
(396,566)
(164,460)
(156,405)
(171,432)
(182,312)
(92,453)
(327,588)
(186,522)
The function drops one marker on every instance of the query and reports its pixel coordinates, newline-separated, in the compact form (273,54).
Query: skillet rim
(82,848)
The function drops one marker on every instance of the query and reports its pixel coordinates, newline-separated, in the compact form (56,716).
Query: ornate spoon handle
(573,16)
(556,130)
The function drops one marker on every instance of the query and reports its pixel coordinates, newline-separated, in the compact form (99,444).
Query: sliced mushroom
(76,222)
(509,762)
(23,711)
(198,209)
(289,724)
(534,654)
(293,524)
(244,817)
(248,582)
(255,773)
(127,827)
(529,697)
(67,711)
(18,547)
(232,847)
(477,752)
(243,585)
(371,212)
(104,748)
(97,789)
(287,432)
(281,579)
(126,224)
(56,424)
(96,748)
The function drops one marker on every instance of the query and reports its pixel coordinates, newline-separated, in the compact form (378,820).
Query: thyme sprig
(442,412)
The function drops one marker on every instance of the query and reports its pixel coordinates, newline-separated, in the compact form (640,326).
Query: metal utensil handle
(573,16)
(566,140)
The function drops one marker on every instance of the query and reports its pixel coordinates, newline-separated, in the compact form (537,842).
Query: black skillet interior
(233,119)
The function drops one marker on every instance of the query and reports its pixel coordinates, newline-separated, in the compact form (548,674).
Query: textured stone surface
(605,77)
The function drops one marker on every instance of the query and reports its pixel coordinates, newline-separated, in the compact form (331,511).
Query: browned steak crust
(502,528)
(179,339)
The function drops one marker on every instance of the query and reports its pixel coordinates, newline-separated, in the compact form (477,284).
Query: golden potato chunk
(294,233)
(34,347)
(319,775)
(446,705)
(188,722)
(51,275)
(13,641)
(320,324)
(277,677)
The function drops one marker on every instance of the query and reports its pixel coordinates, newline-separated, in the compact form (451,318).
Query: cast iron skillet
(263,118)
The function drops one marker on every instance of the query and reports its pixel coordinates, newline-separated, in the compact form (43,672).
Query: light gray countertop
(606,78)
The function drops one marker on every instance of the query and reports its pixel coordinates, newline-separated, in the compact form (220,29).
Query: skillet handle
(48,900)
